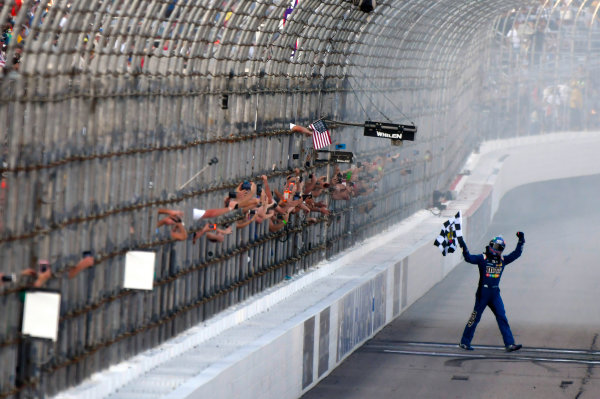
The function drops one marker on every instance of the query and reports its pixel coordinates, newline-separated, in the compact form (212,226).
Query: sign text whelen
(390,131)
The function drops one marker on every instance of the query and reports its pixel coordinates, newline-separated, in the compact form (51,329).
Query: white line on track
(481,356)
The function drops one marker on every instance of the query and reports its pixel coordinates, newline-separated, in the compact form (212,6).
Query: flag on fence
(446,241)
(321,136)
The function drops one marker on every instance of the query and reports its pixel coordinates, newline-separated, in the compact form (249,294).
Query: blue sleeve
(511,257)
(474,259)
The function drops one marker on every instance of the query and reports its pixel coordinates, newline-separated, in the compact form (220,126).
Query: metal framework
(107,107)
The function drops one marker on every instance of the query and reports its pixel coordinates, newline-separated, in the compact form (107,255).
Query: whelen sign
(390,131)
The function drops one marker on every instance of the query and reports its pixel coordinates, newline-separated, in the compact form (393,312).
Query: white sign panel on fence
(139,270)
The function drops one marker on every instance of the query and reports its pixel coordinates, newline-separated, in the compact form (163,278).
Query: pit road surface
(552,300)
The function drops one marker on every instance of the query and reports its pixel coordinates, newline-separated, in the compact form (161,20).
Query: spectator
(249,217)
(303,194)
(360,180)
(170,8)
(16,8)
(267,189)
(178,232)
(315,206)
(341,191)
(44,274)
(291,198)
(301,129)
(552,102)
(232,203)
(198,214)
(29,272)
(362,187)
(575,105)
(213,233)
(515,40)
(293,184)
(86,261)
(173,219)
(310,184)
(2,56)
(320,186)
(537,42)
(246,189)
(366,208)
(265,210)
(296,189)
(439,199)
(246,195)
(279,221)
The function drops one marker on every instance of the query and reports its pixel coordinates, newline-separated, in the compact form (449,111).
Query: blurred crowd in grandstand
(549,59)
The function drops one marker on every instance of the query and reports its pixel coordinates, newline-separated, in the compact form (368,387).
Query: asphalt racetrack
(552,300)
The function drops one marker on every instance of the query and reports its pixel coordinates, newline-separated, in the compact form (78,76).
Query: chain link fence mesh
(108,108)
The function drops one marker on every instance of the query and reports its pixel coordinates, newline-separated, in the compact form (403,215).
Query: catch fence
(108,109)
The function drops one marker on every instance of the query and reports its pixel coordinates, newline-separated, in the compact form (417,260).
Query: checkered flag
(321,136)
(446,240)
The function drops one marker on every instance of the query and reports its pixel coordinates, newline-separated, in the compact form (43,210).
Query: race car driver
(491,265)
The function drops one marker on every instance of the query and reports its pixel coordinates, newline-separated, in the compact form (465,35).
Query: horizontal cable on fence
(197,266)
(194,267)
(155,52)
(127,208)
(12,341)
(173,314)
(197,303)
(6,98)
(146,93)
(187,71)
(94,348)
(182,93)
(202,264)
(144,150)
(189,93)
(89,94)
(102,257)
(29,383)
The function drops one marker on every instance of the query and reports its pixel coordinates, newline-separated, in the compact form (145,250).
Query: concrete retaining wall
(523,161)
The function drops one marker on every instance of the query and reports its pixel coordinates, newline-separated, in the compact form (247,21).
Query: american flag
(452,229)
(321,136)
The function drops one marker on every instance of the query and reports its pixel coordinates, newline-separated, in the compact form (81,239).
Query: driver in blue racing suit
(491,264)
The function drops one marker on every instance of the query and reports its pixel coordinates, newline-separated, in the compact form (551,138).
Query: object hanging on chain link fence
(213,161)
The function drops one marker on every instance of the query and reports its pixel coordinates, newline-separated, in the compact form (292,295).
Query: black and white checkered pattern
(446,240)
